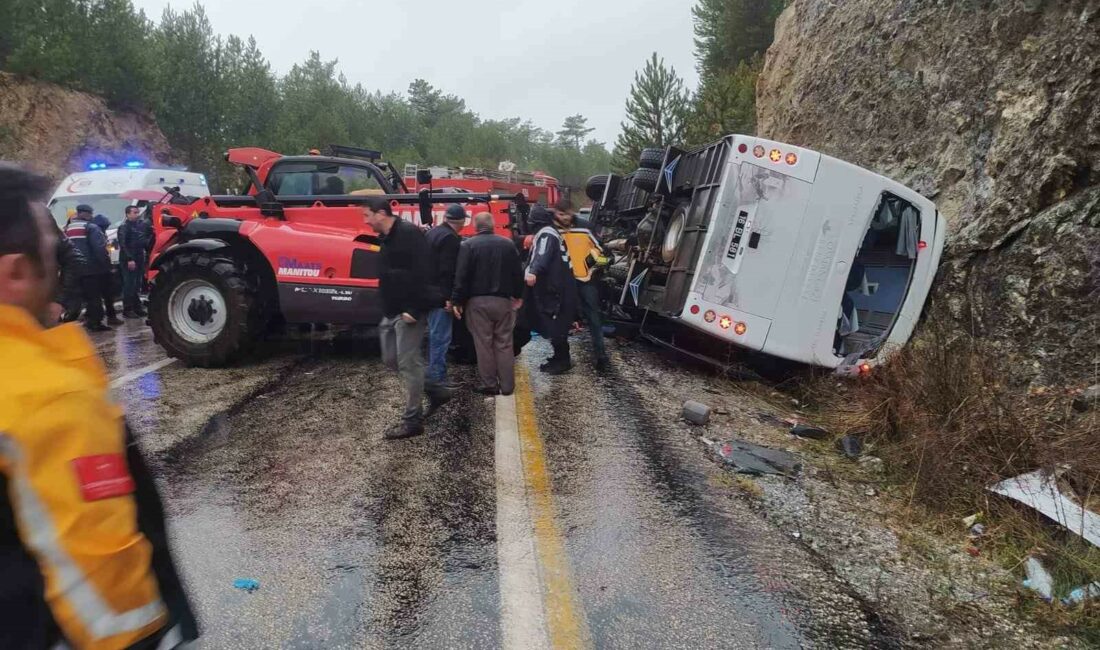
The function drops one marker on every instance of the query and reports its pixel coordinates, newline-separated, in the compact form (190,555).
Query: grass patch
(949,421)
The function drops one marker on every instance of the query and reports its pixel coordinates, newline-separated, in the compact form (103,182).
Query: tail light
(742,147)
(758,151)
(864,368)
(695,309)
(710,316)
(725,323)
(792,159)
(775,155)
(740,329)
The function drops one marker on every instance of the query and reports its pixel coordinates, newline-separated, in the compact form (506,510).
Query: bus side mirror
(423,176)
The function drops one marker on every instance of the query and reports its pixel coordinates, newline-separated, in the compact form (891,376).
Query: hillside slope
(57,131)
(990,109)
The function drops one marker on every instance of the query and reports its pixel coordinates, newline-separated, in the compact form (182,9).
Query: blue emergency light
(134,164)
(97,165)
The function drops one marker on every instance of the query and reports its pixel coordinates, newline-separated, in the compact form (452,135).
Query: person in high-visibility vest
(587,259)
(83,548)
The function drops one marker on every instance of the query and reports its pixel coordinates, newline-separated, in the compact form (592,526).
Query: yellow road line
(566,626)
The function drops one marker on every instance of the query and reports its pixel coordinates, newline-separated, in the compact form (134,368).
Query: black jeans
(561,349)
(131,285)
(97,295)
(590,311)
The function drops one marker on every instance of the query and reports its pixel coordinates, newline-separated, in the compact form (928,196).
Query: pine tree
(656,111)
(574,130)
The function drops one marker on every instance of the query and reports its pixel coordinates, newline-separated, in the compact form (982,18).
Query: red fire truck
(537,187)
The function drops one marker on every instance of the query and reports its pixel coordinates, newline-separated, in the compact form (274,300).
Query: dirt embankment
(57,131)
(989,109)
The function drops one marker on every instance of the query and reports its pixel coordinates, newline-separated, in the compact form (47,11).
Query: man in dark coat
(91,241)
(407,296)
(70,264)
(132,242)
(444,242)
(553,294)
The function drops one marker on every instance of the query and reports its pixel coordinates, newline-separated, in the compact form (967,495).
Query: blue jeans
(439,341)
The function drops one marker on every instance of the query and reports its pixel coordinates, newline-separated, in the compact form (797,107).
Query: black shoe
(404,430)
(437,398)
(487,390)
(549,364)
(96,327)
(603,365)
(129,313)
(559,368)
(508,394)
(113,321)
(141,313)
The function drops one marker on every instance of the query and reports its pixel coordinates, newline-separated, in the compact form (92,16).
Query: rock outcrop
(991,108)
(58,131)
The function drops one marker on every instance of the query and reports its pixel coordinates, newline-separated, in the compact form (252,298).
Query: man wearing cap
(95,280)
(444,242)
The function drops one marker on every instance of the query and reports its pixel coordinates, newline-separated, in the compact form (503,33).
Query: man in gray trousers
(407,296)
(488,292)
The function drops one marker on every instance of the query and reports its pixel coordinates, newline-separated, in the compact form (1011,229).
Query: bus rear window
(879,278)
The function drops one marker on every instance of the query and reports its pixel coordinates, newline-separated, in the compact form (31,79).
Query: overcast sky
(540,61)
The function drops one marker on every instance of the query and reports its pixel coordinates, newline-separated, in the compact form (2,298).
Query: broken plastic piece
(696,412)
(1039,579)
(972,519)
(807,431)
(748,458)
(246,584)
(850,446)
(1081,594)
(1040,491)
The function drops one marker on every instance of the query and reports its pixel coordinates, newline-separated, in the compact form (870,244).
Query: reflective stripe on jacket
(81,529)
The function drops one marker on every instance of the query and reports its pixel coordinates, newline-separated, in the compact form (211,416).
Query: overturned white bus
(774,248)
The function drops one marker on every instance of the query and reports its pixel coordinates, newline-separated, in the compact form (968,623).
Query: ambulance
(110,188)
(776,249)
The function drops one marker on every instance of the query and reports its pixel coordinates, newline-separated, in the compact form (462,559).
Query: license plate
(738,235)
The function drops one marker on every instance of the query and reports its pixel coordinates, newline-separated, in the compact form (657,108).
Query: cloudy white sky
(540,60)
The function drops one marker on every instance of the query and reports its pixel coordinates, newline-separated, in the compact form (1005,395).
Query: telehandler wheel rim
(197,311)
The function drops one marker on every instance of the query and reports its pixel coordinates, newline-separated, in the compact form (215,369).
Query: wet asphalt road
(276,470)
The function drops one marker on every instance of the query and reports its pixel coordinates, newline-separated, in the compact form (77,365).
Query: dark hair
(19,232)
(563,205)
(379,204)
(132,207)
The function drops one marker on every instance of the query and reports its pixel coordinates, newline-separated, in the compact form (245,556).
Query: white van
(780,250)
(110,190)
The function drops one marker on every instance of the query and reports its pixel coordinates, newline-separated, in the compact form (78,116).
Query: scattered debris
(748,458)
(972,519)
(246,584)
(973,551)
(796,534)
(696,412)
(870,492)
(768,418)
(977,530)
(1088,399)
(872,464)
(1081,594)
(721,410)
(1039,579)
(851,446)
(1040,491)
(811,432)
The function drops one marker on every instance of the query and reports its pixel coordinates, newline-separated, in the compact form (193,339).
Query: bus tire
(595,186)
(651,158)
(646,179)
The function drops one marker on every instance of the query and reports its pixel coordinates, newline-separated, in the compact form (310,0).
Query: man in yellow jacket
(587,259)
(83,550)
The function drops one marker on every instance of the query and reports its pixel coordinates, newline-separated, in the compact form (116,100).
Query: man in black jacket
(407,296)
(132,240)
(91,241)
(70,264)
(444,241)
(553,289)
(487,293)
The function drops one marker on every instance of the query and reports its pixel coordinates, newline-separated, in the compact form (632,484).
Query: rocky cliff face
(57,131)
(992,109)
